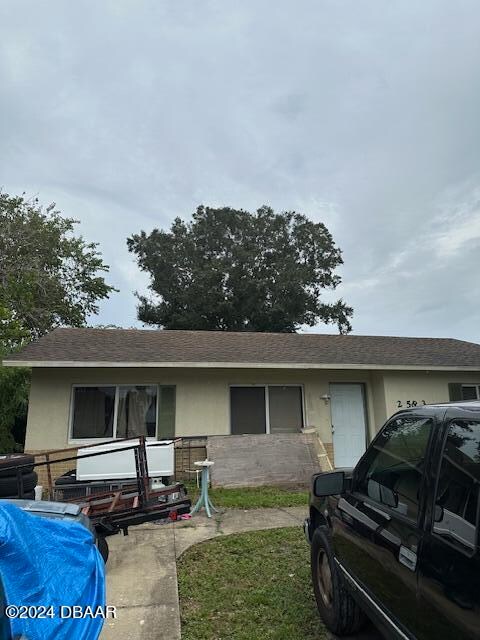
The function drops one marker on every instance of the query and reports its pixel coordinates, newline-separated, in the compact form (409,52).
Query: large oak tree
(229,269)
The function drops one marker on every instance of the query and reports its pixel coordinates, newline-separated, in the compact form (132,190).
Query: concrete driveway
(142,571)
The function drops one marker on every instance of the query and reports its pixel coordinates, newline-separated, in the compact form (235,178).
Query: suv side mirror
(329,484)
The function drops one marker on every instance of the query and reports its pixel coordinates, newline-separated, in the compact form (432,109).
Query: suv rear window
(392,470)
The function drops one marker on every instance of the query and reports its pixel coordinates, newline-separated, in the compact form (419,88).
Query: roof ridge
(255,333)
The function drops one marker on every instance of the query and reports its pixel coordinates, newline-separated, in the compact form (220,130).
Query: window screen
(392,471)
(93,412)
(285,409)
(457,492)
(247,410)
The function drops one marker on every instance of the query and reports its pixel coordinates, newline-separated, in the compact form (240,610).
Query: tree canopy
(48,277)
(229,269)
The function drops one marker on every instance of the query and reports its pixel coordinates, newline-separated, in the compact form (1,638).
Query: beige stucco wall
(420,386)
(377,392)
(202,396)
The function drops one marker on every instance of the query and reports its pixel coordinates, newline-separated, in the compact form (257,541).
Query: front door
(348,423)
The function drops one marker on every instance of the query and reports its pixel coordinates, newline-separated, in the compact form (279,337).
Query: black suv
(397,536)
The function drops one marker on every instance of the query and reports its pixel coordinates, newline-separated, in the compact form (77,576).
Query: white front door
(348,423)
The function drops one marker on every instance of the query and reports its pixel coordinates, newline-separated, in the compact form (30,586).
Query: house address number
(410,403)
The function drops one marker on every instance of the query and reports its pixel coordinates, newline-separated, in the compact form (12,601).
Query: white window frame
(117,386)
(267,402)
(473,384)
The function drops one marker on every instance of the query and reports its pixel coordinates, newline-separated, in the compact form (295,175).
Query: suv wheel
(338,609)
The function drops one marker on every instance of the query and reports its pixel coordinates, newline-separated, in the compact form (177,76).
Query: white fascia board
(74,364)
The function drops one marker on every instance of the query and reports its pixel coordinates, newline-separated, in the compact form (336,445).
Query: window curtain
(136,412)
(93,412)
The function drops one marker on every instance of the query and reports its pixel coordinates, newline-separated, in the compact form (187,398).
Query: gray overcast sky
(361,114)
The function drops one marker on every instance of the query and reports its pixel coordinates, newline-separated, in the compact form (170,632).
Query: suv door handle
(407,558)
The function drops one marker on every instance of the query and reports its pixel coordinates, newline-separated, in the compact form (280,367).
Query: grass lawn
(250,586)
(252,497)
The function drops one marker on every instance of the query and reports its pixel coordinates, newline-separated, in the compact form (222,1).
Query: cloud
(460,224)
(362,115)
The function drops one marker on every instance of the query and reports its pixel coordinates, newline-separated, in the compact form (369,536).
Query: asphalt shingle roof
(157,346)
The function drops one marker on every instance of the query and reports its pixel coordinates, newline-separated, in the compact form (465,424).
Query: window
(463,391)
(285,409)
(123,411)
(266,409)
(456,502)
(470,392)
(392,471)
(248,412)
(93,412)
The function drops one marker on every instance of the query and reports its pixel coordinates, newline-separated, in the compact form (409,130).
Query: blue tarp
(50,563)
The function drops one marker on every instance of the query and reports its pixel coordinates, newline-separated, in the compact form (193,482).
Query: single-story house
(97,384)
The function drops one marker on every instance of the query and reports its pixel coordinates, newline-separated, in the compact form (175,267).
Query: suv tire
(337,608)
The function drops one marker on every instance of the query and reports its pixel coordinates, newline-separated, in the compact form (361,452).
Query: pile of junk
(53,538)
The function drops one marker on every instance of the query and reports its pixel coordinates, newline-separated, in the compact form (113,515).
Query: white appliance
(118,464)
